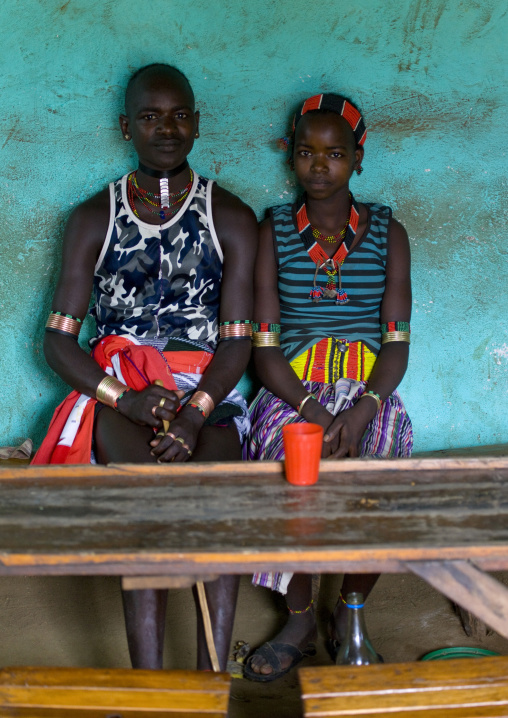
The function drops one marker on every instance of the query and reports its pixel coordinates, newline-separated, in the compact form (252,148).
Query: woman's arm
(345,433)
(272,367)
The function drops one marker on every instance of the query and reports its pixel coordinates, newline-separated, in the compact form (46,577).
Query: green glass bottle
(356,649)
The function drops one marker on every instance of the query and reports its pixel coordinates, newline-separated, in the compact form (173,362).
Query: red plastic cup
(302,446)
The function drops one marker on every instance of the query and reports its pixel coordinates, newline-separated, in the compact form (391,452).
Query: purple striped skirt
(388,435)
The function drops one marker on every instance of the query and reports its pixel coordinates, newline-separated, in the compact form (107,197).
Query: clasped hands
(157,407)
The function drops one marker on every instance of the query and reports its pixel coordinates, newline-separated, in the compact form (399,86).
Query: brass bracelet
(266,339)
(203,400)
(374,396)
(303,402)
(232,330)
(63,324)
(110,390)
(395,337)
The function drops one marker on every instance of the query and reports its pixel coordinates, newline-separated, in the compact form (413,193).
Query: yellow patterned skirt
(332,359)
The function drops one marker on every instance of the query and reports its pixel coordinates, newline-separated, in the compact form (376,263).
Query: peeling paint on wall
(422,70)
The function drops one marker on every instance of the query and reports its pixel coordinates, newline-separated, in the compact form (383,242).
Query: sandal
(268,651)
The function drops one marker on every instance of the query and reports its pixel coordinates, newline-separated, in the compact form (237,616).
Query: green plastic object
(444,654)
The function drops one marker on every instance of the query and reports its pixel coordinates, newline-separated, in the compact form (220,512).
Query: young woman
(332,307)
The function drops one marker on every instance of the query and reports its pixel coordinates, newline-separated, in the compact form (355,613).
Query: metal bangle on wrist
(374,396)
(109,391)
(203,402)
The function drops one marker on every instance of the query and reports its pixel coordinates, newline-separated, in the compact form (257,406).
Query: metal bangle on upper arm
(395,332)
(265,334)
(237,329)
(62,323)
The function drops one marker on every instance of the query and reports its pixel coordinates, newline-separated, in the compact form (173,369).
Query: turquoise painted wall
(431,78)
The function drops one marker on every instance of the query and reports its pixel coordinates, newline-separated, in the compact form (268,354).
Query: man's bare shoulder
(227,204)
(93,210)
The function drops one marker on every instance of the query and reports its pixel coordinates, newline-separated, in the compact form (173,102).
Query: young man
(169,257)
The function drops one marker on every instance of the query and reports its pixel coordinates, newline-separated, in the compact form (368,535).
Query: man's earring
(127,136)
(359,170)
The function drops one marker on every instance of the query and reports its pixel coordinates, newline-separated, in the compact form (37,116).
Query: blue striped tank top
(304,323)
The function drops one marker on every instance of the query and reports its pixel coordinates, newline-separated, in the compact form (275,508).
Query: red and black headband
(335,103)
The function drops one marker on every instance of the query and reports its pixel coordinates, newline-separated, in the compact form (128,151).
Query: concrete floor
(78,622)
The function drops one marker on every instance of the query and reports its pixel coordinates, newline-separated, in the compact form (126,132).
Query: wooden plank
(478,687)
(360,467)
(470,588)
(134,583)
(103,520)
(90,692)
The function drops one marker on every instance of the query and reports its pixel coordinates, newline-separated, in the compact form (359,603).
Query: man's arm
(83,240)
(236,227)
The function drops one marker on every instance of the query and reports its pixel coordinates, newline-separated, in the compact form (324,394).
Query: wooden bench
(465,688)
(98,693)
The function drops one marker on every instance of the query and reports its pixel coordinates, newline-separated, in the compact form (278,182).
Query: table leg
(469,587)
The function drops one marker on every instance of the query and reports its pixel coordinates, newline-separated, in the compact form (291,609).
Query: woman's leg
(300,628)
(353,582)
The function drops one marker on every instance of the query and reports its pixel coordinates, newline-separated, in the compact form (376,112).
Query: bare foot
(299,631)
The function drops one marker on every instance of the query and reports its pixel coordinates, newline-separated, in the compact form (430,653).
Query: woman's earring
(196,135)
(127,136)
(359,170)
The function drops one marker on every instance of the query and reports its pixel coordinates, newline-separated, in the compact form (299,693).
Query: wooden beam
(133,583)
(466,585)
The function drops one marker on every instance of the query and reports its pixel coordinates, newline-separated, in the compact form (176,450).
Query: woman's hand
(344,434)
(179,442)
(315,413)
(151,406)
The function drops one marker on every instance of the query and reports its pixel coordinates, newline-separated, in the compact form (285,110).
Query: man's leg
(218,444)
(118,439)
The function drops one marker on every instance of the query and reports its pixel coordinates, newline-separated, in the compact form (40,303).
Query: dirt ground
(78,622)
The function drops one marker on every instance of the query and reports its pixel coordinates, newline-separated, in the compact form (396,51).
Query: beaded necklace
(152,201)
(330,265)
(332,238)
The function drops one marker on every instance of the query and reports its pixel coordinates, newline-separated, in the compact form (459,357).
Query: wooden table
(445,520)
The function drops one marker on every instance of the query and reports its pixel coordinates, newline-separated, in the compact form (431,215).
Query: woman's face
(325,154)
(161,119)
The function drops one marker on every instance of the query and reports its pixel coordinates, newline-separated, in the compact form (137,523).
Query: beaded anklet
(304,610)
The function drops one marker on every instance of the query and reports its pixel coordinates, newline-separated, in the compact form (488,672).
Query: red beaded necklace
(152,201)
(330,265)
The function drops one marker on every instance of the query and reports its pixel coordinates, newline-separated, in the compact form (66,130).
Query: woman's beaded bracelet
(374,396)
(198,407)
